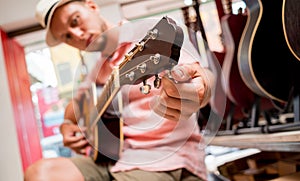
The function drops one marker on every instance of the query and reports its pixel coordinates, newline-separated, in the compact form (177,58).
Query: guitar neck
(110,89)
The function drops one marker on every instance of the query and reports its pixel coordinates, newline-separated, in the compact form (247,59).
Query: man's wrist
(66,121)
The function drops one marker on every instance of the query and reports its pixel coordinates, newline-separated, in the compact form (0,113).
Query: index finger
(193,90)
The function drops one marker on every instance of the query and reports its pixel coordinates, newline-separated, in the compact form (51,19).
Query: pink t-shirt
(156,144)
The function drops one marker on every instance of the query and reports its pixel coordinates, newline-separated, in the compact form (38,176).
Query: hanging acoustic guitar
(264,58)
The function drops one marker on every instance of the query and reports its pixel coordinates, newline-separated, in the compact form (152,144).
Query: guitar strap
(84,69)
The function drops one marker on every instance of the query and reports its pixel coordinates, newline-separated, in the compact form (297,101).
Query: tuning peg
(142,67)
(145,89)
(157,81)
(153,34)
(155,58)
(130,75)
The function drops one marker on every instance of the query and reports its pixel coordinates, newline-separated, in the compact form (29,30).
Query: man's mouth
(89,40)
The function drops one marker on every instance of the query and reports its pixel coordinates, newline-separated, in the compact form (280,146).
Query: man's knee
(39,170)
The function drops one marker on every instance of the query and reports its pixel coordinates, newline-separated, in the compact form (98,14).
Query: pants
(101,172)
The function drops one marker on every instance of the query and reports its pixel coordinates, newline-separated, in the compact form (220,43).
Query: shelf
(283,141)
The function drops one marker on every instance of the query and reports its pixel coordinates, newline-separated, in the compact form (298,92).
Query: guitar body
(105,138)
(291,25)
(265,73)
(159,50)
(108,130)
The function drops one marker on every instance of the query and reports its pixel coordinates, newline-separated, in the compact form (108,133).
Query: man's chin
(98,44)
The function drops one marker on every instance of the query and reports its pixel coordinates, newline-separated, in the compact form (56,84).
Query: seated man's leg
(53,169)
(174,175)
(66,169)
(142,175)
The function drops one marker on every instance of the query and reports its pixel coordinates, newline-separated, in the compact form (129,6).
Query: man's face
(77,24)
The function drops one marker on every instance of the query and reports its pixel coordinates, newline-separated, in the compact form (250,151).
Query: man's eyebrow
(70,18)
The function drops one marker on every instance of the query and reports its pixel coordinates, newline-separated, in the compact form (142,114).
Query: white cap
(44,12)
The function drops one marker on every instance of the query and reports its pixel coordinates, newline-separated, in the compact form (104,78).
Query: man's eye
(75,21)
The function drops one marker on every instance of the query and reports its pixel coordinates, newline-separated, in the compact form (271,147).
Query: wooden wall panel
(19,86)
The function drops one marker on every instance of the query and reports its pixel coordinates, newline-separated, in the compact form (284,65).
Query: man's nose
(76,33)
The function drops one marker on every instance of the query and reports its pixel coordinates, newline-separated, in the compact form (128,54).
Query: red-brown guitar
(232,26)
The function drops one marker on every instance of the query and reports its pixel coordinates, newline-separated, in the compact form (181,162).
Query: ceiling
(17,17)
(17,14)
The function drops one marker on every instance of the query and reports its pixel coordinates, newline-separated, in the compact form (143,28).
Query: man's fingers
(192,91)
(79,144)
(183,105)
(173,112)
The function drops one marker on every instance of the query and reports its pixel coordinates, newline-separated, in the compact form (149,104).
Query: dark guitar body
(105,138)
(264,58)
(291,15)
(108,131)
(291,26)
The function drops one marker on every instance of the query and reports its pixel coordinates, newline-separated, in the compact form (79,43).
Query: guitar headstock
(159,50)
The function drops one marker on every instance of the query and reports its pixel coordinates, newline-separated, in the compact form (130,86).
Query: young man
(161,136)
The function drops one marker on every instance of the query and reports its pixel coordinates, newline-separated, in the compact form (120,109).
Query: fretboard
(110,89)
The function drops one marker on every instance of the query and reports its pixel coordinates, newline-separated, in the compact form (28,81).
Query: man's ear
(92,4)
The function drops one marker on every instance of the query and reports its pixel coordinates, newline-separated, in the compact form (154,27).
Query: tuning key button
(142,67)
(157,81)
(153,34)
(130,75)
(145,89)
(155,59)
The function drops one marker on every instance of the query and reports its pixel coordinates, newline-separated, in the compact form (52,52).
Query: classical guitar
(158,51)
(263,55)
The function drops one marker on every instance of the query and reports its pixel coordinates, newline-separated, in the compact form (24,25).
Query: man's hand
(186,94)
(73,138)
(72,134)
